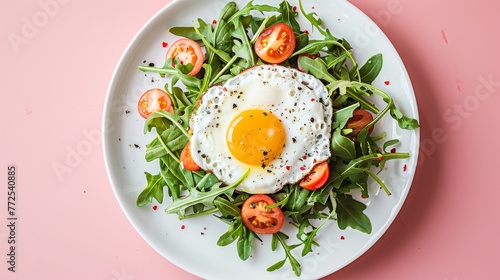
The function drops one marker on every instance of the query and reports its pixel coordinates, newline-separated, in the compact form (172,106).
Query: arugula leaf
(209,46)
(342,146)
(281,237)
(173,138)
(316,67)
(309,240)
(185,31)
(173,184)
(350,213)
(370,70)
(277,265)
(313,19)
(288,16)
(340,117)
(242,47)
(232,234)
(179,206)
(204,180)
(248,8)
(154,189)
(226,208)
(296,204)
(244,243)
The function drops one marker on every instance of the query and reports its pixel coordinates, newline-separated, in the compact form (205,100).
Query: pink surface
(54,78)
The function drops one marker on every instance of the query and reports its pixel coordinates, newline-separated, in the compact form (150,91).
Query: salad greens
(229,50)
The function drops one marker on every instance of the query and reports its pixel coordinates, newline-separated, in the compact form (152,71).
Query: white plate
(194,247)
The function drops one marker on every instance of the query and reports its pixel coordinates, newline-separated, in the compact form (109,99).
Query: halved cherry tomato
(154,100)
(187,160)
(317,178)
(187,51)
(276,43)
(360,118)
(258,218)
(312,56)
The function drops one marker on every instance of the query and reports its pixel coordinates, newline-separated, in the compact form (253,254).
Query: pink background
(70,226)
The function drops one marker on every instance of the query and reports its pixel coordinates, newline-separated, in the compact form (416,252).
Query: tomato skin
(360,118)
(187,160)
(317,178)
(259,219)
(154,100)
(276,43)
(187,51)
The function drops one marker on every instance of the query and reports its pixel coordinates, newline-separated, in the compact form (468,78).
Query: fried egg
(273,120)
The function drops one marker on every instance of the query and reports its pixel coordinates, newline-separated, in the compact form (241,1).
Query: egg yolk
(255,137)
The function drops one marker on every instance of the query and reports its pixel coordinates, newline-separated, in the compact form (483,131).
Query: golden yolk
(255,137)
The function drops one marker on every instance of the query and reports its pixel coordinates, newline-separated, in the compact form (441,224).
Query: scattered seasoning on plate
(387,82)
(164,44)
(155,207)
(151,64)
(214,21)
(404,167)
(342,237)
(127,111)
(183,227)
(393,150)
(294,8)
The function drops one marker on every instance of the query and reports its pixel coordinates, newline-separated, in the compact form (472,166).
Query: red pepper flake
(214,21)
(380,158)
(183,227)
(387,82)
(404,167)
(288,167)
(294,8)
(224,89)
(304,157)
(302,168)
(364,197)
(312,8)
(393,150)
(155,207)
(164,44)
(314,161)
(313,99)
(342,237)
(306,31)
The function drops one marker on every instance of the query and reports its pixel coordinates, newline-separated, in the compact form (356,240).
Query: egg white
(298,99)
